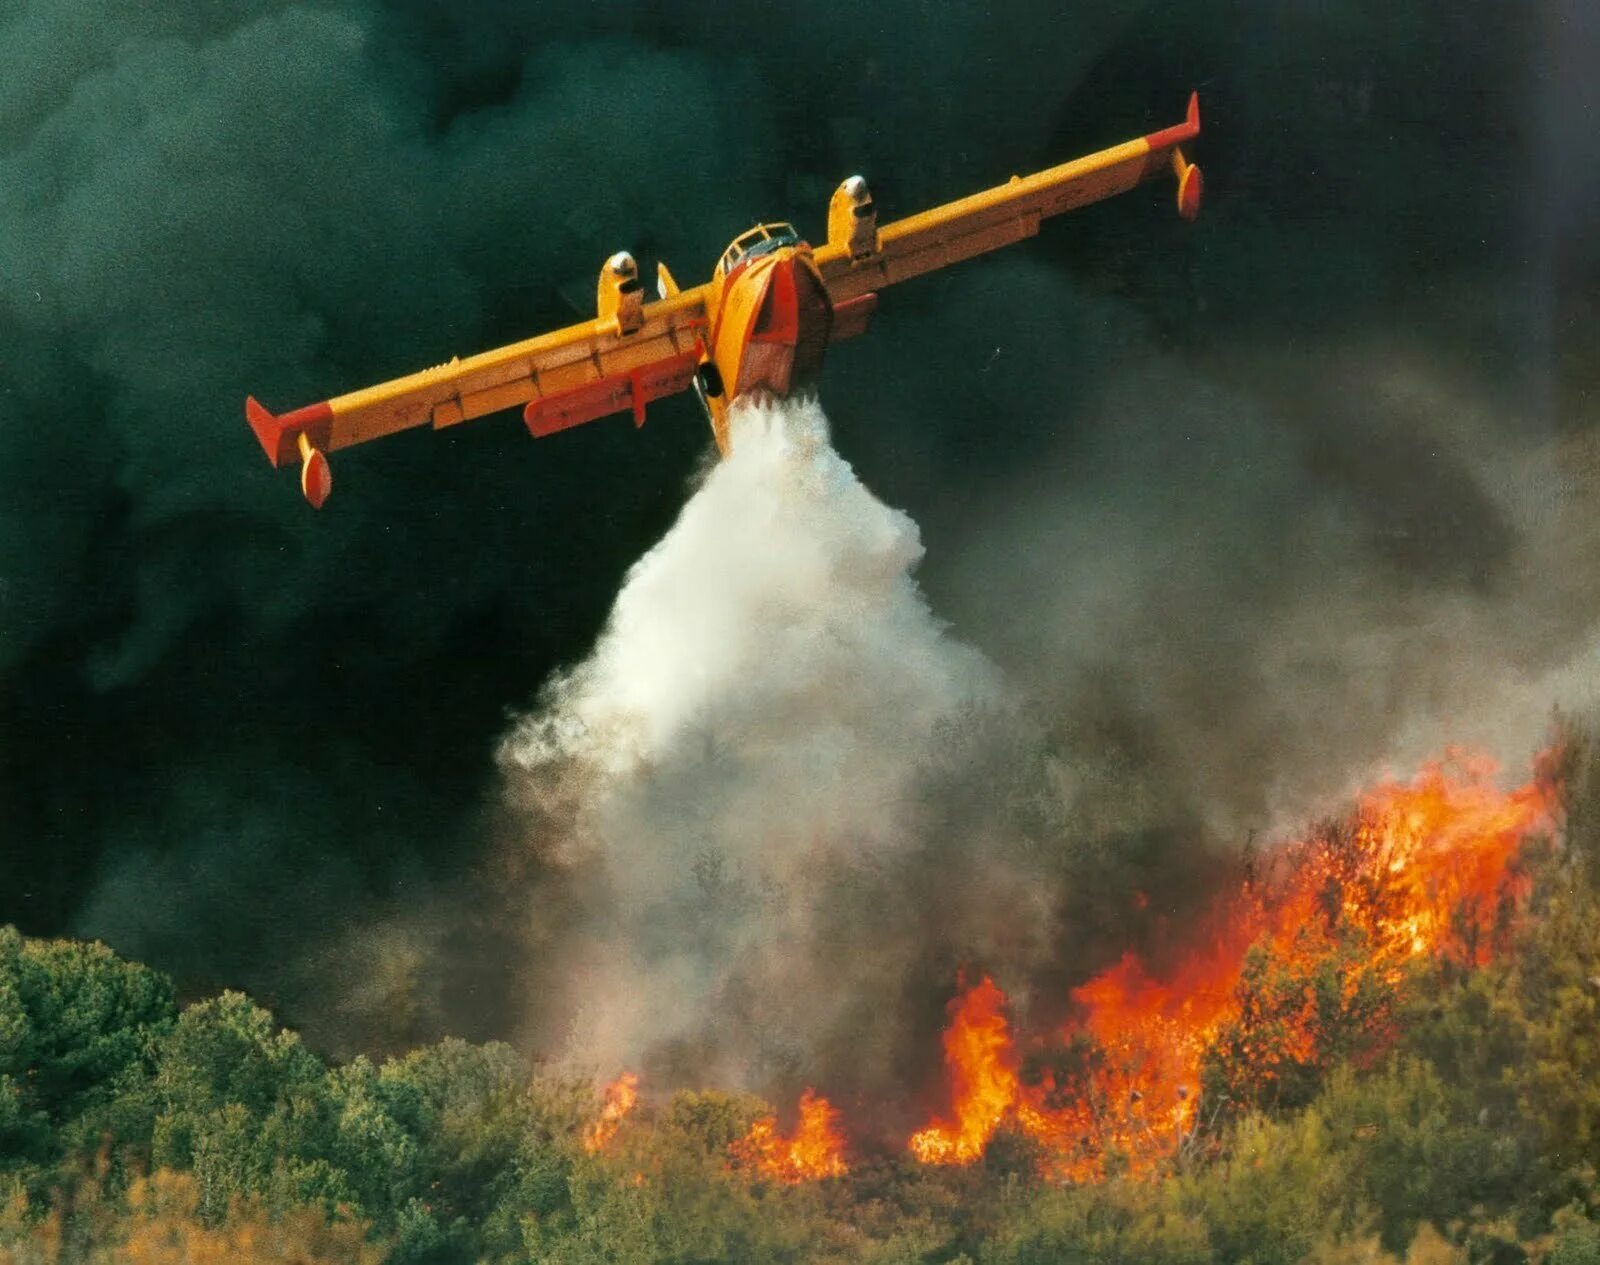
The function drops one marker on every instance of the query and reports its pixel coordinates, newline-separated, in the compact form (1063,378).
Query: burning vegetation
(1380,1042)
(814,1150)
(1300,966)
(619,1099)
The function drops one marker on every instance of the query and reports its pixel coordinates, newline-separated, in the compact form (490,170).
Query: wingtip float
(761,324)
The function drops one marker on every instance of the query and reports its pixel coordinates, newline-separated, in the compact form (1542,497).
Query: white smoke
(736,763)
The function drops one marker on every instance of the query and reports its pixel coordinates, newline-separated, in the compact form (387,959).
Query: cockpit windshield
(758,241)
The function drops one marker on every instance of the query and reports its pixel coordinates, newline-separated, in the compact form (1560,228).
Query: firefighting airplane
(760,324)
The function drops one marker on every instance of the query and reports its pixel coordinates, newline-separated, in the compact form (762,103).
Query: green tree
(1577,1240)
(252,1112)
(78,1027)
(1282,1187)
(1419,1150)
(1120,1222)
(493,1147)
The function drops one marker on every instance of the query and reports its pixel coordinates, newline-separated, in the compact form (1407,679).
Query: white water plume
(731,771)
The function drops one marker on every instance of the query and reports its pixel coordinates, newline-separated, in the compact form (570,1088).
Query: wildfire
(1301,965)
(815,1150)
(620,1097)
(1435,861)
(1425,869)
(983,1078)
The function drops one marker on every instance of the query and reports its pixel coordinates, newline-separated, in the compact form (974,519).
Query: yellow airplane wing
(561,379)
(854,265)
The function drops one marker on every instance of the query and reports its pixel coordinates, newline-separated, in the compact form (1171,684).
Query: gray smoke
(1293,597)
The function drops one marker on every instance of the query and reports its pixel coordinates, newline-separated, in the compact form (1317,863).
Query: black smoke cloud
(1248,507)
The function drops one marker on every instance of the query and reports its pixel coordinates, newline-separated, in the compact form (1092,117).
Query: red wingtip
(280,434)
(266,427)
(1178,132)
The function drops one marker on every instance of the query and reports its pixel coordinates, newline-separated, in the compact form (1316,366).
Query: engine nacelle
(852,219)
(621,294)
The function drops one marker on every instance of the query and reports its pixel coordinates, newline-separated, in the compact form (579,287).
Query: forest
(1444,1110)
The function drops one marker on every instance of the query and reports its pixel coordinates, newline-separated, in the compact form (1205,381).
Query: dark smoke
(1240,511)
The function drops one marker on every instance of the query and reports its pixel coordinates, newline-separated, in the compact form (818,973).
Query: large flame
(816,1149)
(983,1078)
(1432,861)
(1311,948)
(619,1099)
(1425,868)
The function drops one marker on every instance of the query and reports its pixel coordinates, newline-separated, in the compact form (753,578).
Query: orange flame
(620,1097)
(983,1078)
(1436,856)
(1426,868)
(815,1151)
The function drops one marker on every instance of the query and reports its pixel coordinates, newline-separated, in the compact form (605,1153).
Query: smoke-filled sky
(1220,517)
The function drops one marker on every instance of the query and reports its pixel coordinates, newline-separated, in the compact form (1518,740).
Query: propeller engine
(621,294)
(852,219)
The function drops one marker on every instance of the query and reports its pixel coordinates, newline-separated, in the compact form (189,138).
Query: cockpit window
(758,241)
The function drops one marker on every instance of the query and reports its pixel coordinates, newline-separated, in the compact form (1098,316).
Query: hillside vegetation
(133,1129)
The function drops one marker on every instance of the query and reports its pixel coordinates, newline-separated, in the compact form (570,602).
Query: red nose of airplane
(778,320)
(790,331)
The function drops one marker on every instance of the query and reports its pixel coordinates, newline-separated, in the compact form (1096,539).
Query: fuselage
(770,321)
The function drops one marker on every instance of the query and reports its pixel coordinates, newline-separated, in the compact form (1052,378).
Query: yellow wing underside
(592,369)
(564,376)
(1007,213)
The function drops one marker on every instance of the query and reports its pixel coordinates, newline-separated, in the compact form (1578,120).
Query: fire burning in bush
(815,1149)
(1299,967)
(983,1078)
(620,1098)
